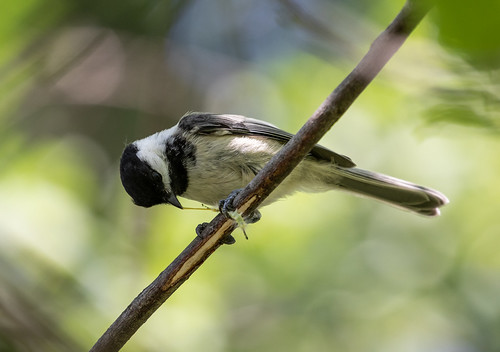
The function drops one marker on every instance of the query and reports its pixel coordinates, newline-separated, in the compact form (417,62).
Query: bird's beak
(172,199)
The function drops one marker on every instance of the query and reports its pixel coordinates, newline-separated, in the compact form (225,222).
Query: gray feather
(394,191)
(213,124)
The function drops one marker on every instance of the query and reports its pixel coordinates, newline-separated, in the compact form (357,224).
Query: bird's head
(144,175)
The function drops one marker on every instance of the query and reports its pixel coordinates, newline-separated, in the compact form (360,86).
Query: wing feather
(213,124)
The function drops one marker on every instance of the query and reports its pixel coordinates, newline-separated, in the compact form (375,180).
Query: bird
(207,157)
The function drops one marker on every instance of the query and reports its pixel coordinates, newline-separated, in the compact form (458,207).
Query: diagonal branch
(153,296)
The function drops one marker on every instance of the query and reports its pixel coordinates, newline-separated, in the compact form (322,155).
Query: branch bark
(280,166)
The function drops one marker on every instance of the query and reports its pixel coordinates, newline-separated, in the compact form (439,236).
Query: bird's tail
(391,190)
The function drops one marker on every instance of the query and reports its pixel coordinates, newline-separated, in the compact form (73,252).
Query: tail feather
(394,191)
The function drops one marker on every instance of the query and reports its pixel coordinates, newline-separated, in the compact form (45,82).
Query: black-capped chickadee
(207,156)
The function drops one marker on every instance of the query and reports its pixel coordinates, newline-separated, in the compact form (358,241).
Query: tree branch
(153,296)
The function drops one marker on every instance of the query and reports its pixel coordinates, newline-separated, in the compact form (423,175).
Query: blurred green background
(326,272)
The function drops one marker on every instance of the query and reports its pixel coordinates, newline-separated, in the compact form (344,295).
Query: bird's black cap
(141,182)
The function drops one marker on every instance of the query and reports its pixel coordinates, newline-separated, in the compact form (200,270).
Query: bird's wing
(212,124)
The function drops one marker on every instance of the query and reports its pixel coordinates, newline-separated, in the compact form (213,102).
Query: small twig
(153,296)
(334,106)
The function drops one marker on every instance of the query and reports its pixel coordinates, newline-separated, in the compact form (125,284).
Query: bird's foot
(227,208)
(227,239)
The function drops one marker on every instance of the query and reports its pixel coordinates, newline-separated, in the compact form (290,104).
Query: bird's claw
(227,208)
(227,239)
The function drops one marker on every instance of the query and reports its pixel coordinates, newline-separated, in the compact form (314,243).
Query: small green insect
(239,221)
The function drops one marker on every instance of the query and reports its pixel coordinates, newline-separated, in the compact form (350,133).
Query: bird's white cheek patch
(156,163)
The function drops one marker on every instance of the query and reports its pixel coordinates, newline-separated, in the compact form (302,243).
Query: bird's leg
(227,208)
(227,239)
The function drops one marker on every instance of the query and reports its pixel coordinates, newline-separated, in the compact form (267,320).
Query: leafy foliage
(318,271)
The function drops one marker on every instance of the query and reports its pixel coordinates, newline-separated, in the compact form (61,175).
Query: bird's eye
(156,176)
